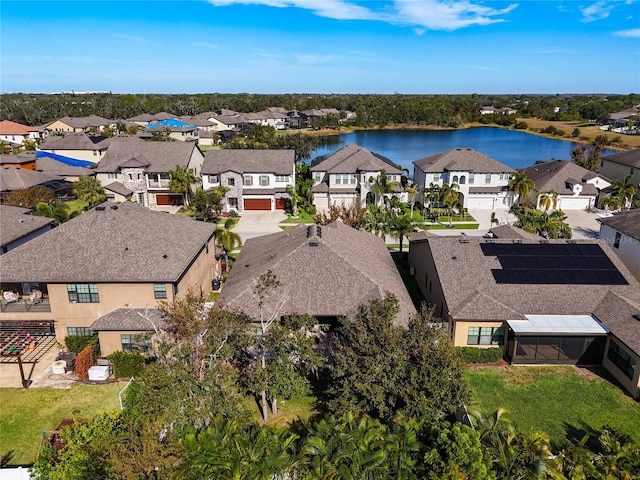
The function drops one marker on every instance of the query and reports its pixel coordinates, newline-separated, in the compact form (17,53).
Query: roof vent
(100,208)
(464,240)
(164,256)
(517,241)
(490,240)
(114,207)
(544,241)
(454,258)
(636,316)
(313,243)
(319,231)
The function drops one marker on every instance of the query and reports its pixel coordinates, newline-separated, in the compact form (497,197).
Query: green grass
(303,217)
(301,407)
(555,400)
(25,414)
(76,205)
(443,226)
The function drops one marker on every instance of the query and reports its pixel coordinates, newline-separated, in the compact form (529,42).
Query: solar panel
(553,263)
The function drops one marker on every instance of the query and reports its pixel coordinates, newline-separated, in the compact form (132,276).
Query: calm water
(511,147)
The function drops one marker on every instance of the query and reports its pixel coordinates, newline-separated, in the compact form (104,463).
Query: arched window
(454,179)
(462,180)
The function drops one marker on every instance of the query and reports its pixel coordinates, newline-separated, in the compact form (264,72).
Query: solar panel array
(553,263)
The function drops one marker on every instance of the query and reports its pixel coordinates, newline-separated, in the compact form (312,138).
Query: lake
(512,147)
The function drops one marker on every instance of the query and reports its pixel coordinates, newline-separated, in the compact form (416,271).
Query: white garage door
(574,203)
(480,201)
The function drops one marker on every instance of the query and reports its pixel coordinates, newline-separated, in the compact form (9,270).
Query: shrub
(521,126)
(84,361)
(479,355)
(233,214)
(126,364)
(311,209)
(77,343)
(575,133)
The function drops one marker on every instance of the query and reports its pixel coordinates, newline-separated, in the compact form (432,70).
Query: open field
(26,414)
(556,400)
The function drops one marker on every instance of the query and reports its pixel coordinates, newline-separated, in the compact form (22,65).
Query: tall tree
(30,197)
(624,190)
(548,200)
(90,190)
(182,180)
(400,226)
(58,211)
(522,186)
(381,186)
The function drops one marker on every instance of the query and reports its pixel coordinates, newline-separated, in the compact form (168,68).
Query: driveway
(584,224)
(255,223)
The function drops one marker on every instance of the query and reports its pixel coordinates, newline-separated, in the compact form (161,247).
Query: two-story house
(79,146)
(79,124)
(16,133)
(108,258)
(622,232)
(143,167)
(257,179)
(18,227)
(482,181)
(347,177)
(618,165)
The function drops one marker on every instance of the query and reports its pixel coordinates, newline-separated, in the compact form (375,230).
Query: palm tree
(431,193)
(381,186)
(624,191)
(60,212)
(400,227)
(182,180)
(521,185)
(609,203)
(547,200)
(88,189)
(293,196)
(413,192)
(450,196)
(228,240)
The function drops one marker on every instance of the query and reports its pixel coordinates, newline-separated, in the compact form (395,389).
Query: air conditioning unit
(99,372)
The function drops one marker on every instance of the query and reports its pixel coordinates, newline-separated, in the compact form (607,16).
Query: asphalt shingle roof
(162,156)
(15,223)
(120,243)
(617,314)
(354,159)
(627,222)
(279,162)
(130,319)
(12,179)
(557,174)
(344,269)
(630,158)
(461,160)
(75,141)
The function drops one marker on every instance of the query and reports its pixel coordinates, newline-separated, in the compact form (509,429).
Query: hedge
(479,355)
(84,361)
(126,364)
(76,343)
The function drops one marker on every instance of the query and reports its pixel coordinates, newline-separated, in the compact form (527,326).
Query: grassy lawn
(555,400)
(76,205)
(26,414)
(303,217)
(288,410)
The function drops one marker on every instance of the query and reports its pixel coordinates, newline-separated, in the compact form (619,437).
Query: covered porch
(24,297)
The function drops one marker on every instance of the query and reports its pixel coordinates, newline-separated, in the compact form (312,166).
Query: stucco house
(79,146)
(618,165)
(622,232)
(12,179)
(483,182)
(18,227)
(347,176)
(143,168)
(111,257)
(26,160)
(257,179)
(541,301)
(324,271)
(16,133)
(79,124)
(177,129)
(576,187)
(55,165)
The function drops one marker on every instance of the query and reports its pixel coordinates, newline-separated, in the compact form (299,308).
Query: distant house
(16,133)
(503,111)
(177,129)
(622,232)
(324,271)
(576,187)
(18,227)
(80,146)
(482,181)
(54,165)
(257,179)
(79,124)
(541,301)
(26,160)
(618,165)
(347,176)
(109,258)
(12,179)
(143,168)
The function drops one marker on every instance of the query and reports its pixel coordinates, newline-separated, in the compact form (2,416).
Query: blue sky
(320,46)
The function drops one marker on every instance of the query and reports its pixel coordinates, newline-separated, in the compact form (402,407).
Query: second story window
(83,292)
(213,178)
(471,178)
(112,176)
(247,180)
(283,178)
(487,178)
(231,182)
(159,291)
(436,177)
(264,180)
(317,176)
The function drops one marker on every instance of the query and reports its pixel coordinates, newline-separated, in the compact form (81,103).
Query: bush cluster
(77,343)
(84,361)
(479,355)
(126,364)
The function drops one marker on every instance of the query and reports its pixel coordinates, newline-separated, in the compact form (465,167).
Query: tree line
(371,109)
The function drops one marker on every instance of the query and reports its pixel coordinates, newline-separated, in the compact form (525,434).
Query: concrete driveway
(584,224)
(255,223)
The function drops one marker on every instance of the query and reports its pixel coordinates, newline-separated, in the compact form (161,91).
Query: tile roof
(461,160)
(130,319)
(329,274)
(354,159)
(630,158)
(15,223)
(163,156)
(627,222)
(472,293)
(118,244)
(76,141)
(279,162)
(12,179)
(7,127)
(557,174)
(616,312)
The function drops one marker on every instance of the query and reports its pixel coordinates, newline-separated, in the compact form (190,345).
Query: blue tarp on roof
(172,122)
(66,160)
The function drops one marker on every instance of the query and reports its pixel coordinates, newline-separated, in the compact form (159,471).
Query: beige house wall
(111,341)
(59,126)
(426,275)
(87,155)
(631,385)
(460,331)
(199,276)
(616,171)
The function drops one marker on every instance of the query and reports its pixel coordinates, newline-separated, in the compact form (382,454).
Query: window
(247,180)
(264,180)
(345,179)
(436,177)
(95,153)
(233,202)
(487,178)
(462,180)
(317,176)
(83,292)
(159,290)
(621,359)
(80,331)
(135,343)
(485,336)
(213,178)
(471,178)
(282,178)
(616,242)
(130,175)
(141,198)
(112,175)
(231,182)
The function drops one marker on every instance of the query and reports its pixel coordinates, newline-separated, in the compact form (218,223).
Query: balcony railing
(25,305)
(160,184)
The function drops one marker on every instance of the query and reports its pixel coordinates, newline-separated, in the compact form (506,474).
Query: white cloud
(633,33)
(420,14)
(312,59)
(210,46)
(596,11)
